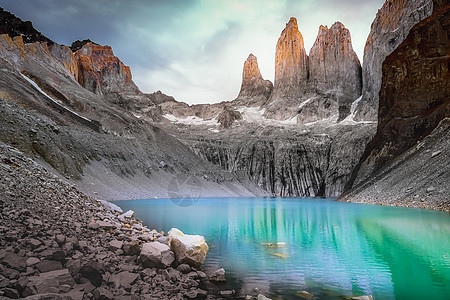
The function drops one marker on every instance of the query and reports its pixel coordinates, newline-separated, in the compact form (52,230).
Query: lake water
(330,249)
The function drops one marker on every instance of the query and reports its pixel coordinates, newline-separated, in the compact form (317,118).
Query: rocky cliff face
(254,89)
(288,161)
(334,67)
(101,72)
(414,102)
(390,28)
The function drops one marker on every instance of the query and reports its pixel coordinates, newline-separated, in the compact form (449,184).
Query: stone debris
(57,243)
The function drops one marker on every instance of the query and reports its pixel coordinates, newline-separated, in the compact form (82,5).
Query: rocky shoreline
(57,243)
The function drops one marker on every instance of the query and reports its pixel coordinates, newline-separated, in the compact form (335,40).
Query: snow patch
(305,102)
(53,100)
(191,120)
(350,119)
(256,115)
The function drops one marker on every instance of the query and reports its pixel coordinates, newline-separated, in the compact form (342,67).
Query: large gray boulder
(156,255)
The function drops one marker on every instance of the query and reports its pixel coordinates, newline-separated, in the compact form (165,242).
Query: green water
(332,249)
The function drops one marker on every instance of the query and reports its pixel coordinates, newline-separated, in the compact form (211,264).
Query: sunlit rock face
(321,86)
(409,153)
(334,67)
(101,72)
(254,89)
(291,63)
(390,27)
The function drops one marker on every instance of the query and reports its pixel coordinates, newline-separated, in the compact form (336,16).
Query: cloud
(193,50)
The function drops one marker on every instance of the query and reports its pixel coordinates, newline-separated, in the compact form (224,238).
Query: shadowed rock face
(77,45)
(297,161)
(291,63)
(388,30)
(334,67)
(414,100)
(254,89)
(227,117)
(13,26)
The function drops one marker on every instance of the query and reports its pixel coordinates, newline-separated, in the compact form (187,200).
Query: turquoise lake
(330,249)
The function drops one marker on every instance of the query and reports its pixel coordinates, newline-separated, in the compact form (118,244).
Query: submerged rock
(189,249)
(218,275)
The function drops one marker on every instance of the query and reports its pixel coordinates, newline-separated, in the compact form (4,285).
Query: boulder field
(57,243)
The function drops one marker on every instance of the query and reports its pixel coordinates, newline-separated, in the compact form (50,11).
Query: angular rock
(218,275)
(124,279)
(227,117)
(184,268)
(93,226)
(48,265)
(106,225)
(102,294)
(34,243)
(115,245)
(11,293)
(32,261)
(14,261)
(53,279)
(93,271)
(156,255)
(189,249)
(74,266)
(132,248)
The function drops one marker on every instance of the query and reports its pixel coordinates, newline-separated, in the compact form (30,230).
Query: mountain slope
(95,139)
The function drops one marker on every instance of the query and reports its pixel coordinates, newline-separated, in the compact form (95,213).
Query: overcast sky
(193,50)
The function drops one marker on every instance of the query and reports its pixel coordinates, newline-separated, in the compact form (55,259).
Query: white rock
(128,214)
(156,255)
(189,249)
(262,297)
(110,205)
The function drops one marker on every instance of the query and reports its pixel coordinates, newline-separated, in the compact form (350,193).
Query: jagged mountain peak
(292,23)
(254,89)
(77,45)
(251,69)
